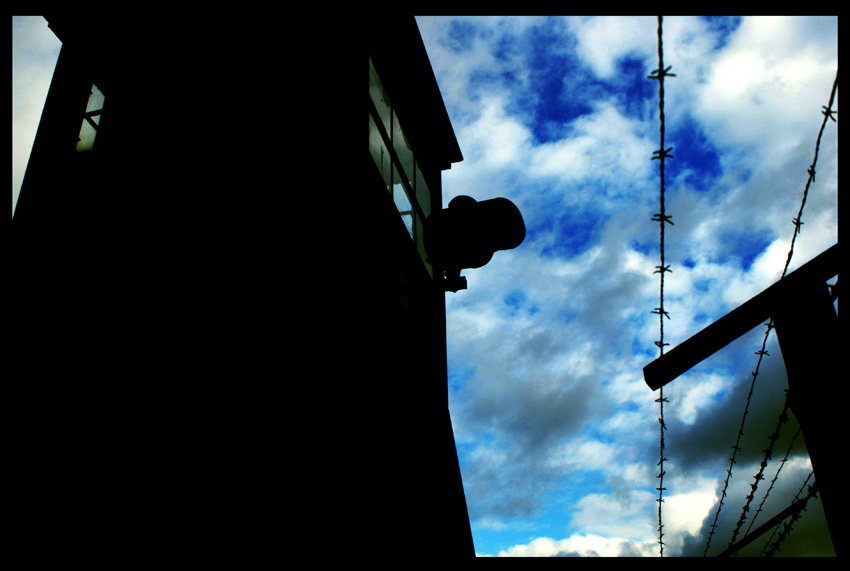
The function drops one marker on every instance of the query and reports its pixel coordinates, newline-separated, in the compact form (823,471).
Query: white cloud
(766,270)
(685,512)
(627,387)
(580,454)
(612,516)
(489,457)
(578,545)
(495,140)
(497,524)
(766,87)
(467,323)
(603,40)
(458,67)
(603,145)
(490,522)
(697,394)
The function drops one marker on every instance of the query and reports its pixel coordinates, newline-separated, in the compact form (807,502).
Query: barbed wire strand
(783,418)
(662,218)
(773,481)
(737,448)
(828,114)
(786,530)
(775,529)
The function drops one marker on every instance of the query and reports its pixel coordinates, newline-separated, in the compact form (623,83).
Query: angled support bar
(739,321)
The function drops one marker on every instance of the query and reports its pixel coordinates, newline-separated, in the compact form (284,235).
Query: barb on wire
(662,218)
(660,311)
(662,154)
(660,74)
(828,112)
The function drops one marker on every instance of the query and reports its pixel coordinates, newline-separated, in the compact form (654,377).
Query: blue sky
(557,433)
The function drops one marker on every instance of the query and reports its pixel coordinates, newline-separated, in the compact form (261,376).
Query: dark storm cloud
(710,440)
(809,536)
(514,478)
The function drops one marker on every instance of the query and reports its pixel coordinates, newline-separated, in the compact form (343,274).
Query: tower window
(91,120)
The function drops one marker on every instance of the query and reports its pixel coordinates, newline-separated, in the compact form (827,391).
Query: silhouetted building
(230,340)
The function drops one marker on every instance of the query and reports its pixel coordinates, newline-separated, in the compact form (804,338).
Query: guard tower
(224,313)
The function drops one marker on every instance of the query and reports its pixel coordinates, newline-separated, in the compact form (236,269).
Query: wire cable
(662,218)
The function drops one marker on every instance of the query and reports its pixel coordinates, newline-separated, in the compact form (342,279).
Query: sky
(35,49)
(557,433)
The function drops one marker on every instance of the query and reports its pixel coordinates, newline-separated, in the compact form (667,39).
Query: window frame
(409,184)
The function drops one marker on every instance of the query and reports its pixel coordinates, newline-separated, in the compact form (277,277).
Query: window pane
(402,150)
(87,135)
(402,203)
(379,152)
(95,100)
(408,222)
(87,131)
